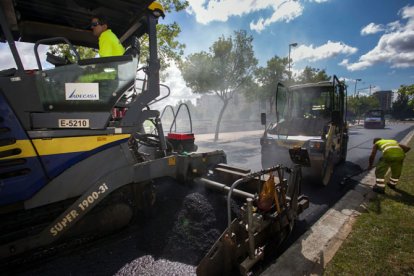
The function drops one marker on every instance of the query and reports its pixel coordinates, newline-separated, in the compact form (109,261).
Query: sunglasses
(94,24)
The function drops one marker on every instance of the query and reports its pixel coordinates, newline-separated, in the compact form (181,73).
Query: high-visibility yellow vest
(390,148)
(109,45)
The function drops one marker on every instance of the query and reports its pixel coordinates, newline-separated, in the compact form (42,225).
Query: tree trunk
(216,135)
(271,102)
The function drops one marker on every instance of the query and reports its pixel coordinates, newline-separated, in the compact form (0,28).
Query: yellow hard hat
(157,9)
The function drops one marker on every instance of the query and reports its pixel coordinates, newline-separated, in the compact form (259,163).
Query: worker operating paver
(393,155)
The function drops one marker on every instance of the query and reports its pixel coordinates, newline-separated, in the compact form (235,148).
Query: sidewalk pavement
(225,137)
(313,250)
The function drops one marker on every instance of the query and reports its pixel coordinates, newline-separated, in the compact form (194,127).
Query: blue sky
(354,39)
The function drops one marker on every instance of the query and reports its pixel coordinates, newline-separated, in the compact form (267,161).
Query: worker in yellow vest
(393,155)
(109,44)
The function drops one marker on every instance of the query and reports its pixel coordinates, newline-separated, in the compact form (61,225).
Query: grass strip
(382,239)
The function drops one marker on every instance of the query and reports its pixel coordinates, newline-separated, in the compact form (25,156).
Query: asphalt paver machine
(75,159)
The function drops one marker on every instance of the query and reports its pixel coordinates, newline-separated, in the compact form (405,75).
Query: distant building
(384,98)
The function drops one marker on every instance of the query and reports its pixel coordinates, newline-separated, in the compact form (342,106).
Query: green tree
(63,50)
(267,79)
(403,107)
(169,48)
(310,74)
(225,70)
(357,106)
(409,91)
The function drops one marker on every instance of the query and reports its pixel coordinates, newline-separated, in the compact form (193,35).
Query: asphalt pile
(194,232)
(148,266)
(191,222)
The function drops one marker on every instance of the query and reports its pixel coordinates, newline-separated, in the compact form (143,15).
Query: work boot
(392,186)
(378,189)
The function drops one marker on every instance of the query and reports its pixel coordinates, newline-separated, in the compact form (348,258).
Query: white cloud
(287,11)
(296,72)
(367,91)
(348,80)
(344,62)
(327,50)
(393,26)
(372,28)
(319,1)
(178,88)
(6,58)
(407,12)
(206,11)
(26,53)
(395,47)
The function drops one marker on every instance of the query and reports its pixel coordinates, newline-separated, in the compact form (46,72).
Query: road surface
(148,248)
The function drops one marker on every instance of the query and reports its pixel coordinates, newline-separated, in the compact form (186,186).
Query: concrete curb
(313,250)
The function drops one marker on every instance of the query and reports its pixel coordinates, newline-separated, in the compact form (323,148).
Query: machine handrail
(175,117)
(172,110)
(50,40)
(246,179)
(162,98)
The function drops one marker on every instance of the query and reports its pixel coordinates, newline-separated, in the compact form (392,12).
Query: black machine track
(28,223)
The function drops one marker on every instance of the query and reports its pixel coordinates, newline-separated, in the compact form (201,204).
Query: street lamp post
(290,46)
(356,80)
